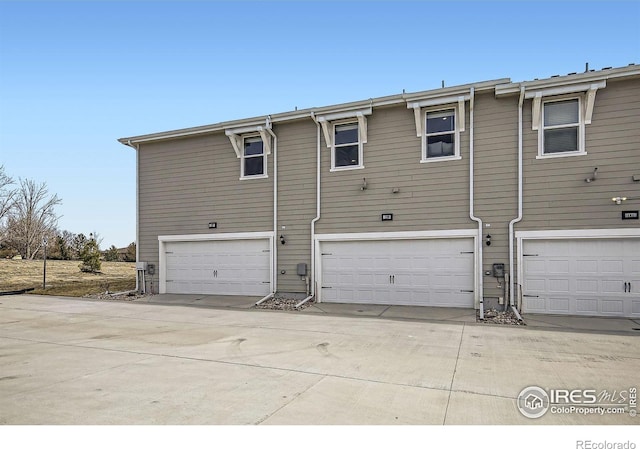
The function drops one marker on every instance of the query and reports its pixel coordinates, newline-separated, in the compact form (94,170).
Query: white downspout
(275,207)
(137,148)
(479,284)
(317,217)
(519,217)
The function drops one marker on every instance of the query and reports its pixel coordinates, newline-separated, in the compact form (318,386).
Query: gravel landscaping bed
(118,296)
(494,316)
(284,303)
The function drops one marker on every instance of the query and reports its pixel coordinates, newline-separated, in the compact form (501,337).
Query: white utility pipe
(275,206)
(519,217)
(479,284)
(303,301)
(269,296)
(317,217)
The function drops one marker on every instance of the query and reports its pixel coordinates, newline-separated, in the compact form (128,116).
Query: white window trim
(243,157)
(456,134)
(420,109)
(539,125)
(329,120)
(333,146)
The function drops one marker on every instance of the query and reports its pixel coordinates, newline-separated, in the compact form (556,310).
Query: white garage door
(425,272)
(219,267)
(582,277)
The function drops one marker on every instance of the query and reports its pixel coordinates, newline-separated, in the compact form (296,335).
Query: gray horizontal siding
(433,196)
(556,195)
(184,184)
(496,169)
(296,200)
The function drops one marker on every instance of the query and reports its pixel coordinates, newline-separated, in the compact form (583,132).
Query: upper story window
(254,160)
(439,122)
(346,151)
(441,135)
(252,145)
(562,130)
(345,133)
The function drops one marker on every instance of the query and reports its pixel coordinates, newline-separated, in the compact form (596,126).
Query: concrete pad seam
(295,397)
(230,362)
(453,376)
(382,313)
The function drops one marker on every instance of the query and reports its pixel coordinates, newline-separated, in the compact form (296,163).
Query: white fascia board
(400,235)
(557,234)
(353,113)
(563,90)
(438,101)
(222,236)
(306,113)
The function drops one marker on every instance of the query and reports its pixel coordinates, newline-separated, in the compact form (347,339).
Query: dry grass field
(64,277)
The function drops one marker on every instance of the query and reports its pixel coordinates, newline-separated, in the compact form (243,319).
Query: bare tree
(7,194)
(31,218)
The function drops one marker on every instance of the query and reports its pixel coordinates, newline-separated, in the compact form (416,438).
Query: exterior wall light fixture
(619,199)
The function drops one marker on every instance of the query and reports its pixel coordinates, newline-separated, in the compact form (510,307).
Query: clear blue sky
(75,76)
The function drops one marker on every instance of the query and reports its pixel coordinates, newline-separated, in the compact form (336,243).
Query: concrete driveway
(72,361)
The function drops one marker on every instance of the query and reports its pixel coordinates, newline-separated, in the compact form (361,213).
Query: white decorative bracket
(236,142)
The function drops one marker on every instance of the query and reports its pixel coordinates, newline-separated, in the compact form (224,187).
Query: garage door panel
(614,306)
(559,285)
(587,305)
(233,267)
(581,276)
(559,304)
(400,272)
